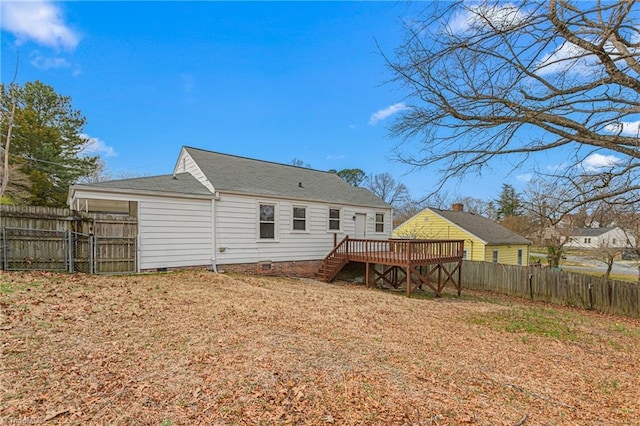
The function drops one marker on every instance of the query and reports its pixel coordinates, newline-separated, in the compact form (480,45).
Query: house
(238,214)
(593,238)
(484,239)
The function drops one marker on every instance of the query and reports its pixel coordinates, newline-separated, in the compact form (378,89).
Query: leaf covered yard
(203,348)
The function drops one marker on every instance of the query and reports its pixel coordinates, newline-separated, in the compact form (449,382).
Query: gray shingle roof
(590,232)
(481,227)
(256,177)
(181,183)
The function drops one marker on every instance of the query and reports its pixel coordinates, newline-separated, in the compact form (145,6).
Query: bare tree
(551,226)
(387,188)
(7,142)
(479,206)
(491,79)
(7,119)
(300,163)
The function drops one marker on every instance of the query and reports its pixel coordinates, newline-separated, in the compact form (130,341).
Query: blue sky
(273,81)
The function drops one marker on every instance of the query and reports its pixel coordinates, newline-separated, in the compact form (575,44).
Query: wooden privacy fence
(554,286)
(43,238)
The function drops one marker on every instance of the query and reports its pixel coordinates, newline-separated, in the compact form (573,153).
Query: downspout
(138,247)
(214,232)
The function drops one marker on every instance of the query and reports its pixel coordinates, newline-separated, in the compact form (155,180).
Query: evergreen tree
(353,177)
(46,144)
(509,202)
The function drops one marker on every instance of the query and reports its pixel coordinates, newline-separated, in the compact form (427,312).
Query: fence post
(5,247)
(70,250)
(91,254)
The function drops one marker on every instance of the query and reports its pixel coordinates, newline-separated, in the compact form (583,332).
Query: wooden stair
(333,262)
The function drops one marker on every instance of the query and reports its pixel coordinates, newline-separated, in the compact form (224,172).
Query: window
(464,254)
(613,241)
(520,257)
(379,222)
(334,219)
(495,256)
(267,221)
(587,240)
(299,218)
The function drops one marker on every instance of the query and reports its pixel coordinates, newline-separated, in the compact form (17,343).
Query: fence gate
(25,249)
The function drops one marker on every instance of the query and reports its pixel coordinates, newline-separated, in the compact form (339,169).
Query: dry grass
(200,348)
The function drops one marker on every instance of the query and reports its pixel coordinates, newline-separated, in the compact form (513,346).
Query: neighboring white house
(239,214)
(593,238)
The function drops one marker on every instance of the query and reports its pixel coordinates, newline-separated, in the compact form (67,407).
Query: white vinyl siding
(237,228)
(174,233)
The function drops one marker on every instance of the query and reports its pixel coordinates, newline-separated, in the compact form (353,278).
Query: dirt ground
(202,348)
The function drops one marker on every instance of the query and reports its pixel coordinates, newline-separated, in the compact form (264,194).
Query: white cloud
(568,58)
(556,167)
(387,112)
(501,16)
(96,146)
(524,177)
(596,162)
(335,157)
(44,63)
(625,128)
(37,21)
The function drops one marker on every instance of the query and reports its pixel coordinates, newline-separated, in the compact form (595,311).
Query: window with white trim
(379,222)
(299,218)
(495,256)
(267,221)
(334,219)
(520,257)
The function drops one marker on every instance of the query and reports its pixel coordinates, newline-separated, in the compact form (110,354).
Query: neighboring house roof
(483,228)
(256,177)
(181,183)
(590,232)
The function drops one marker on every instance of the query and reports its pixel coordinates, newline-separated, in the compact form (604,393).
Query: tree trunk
(5,168)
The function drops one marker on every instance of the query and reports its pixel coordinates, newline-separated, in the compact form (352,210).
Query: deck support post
(366,275)
(435,263)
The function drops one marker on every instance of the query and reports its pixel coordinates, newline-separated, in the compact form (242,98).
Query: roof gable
(230,173)
(484,229)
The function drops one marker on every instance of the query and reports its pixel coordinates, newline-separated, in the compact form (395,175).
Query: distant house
(592,238)
(238,214)
(484,239)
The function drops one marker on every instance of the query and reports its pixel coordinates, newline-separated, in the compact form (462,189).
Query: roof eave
(74,188)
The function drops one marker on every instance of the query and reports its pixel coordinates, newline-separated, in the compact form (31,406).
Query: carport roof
(181,183)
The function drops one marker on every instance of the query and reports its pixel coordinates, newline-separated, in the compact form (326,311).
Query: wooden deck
(414,263)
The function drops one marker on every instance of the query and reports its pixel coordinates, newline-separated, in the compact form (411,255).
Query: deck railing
(335,260)
(405,251)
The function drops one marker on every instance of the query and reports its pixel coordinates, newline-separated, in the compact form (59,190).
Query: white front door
(361,225)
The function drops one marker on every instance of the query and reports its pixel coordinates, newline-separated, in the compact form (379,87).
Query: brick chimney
(457,207)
